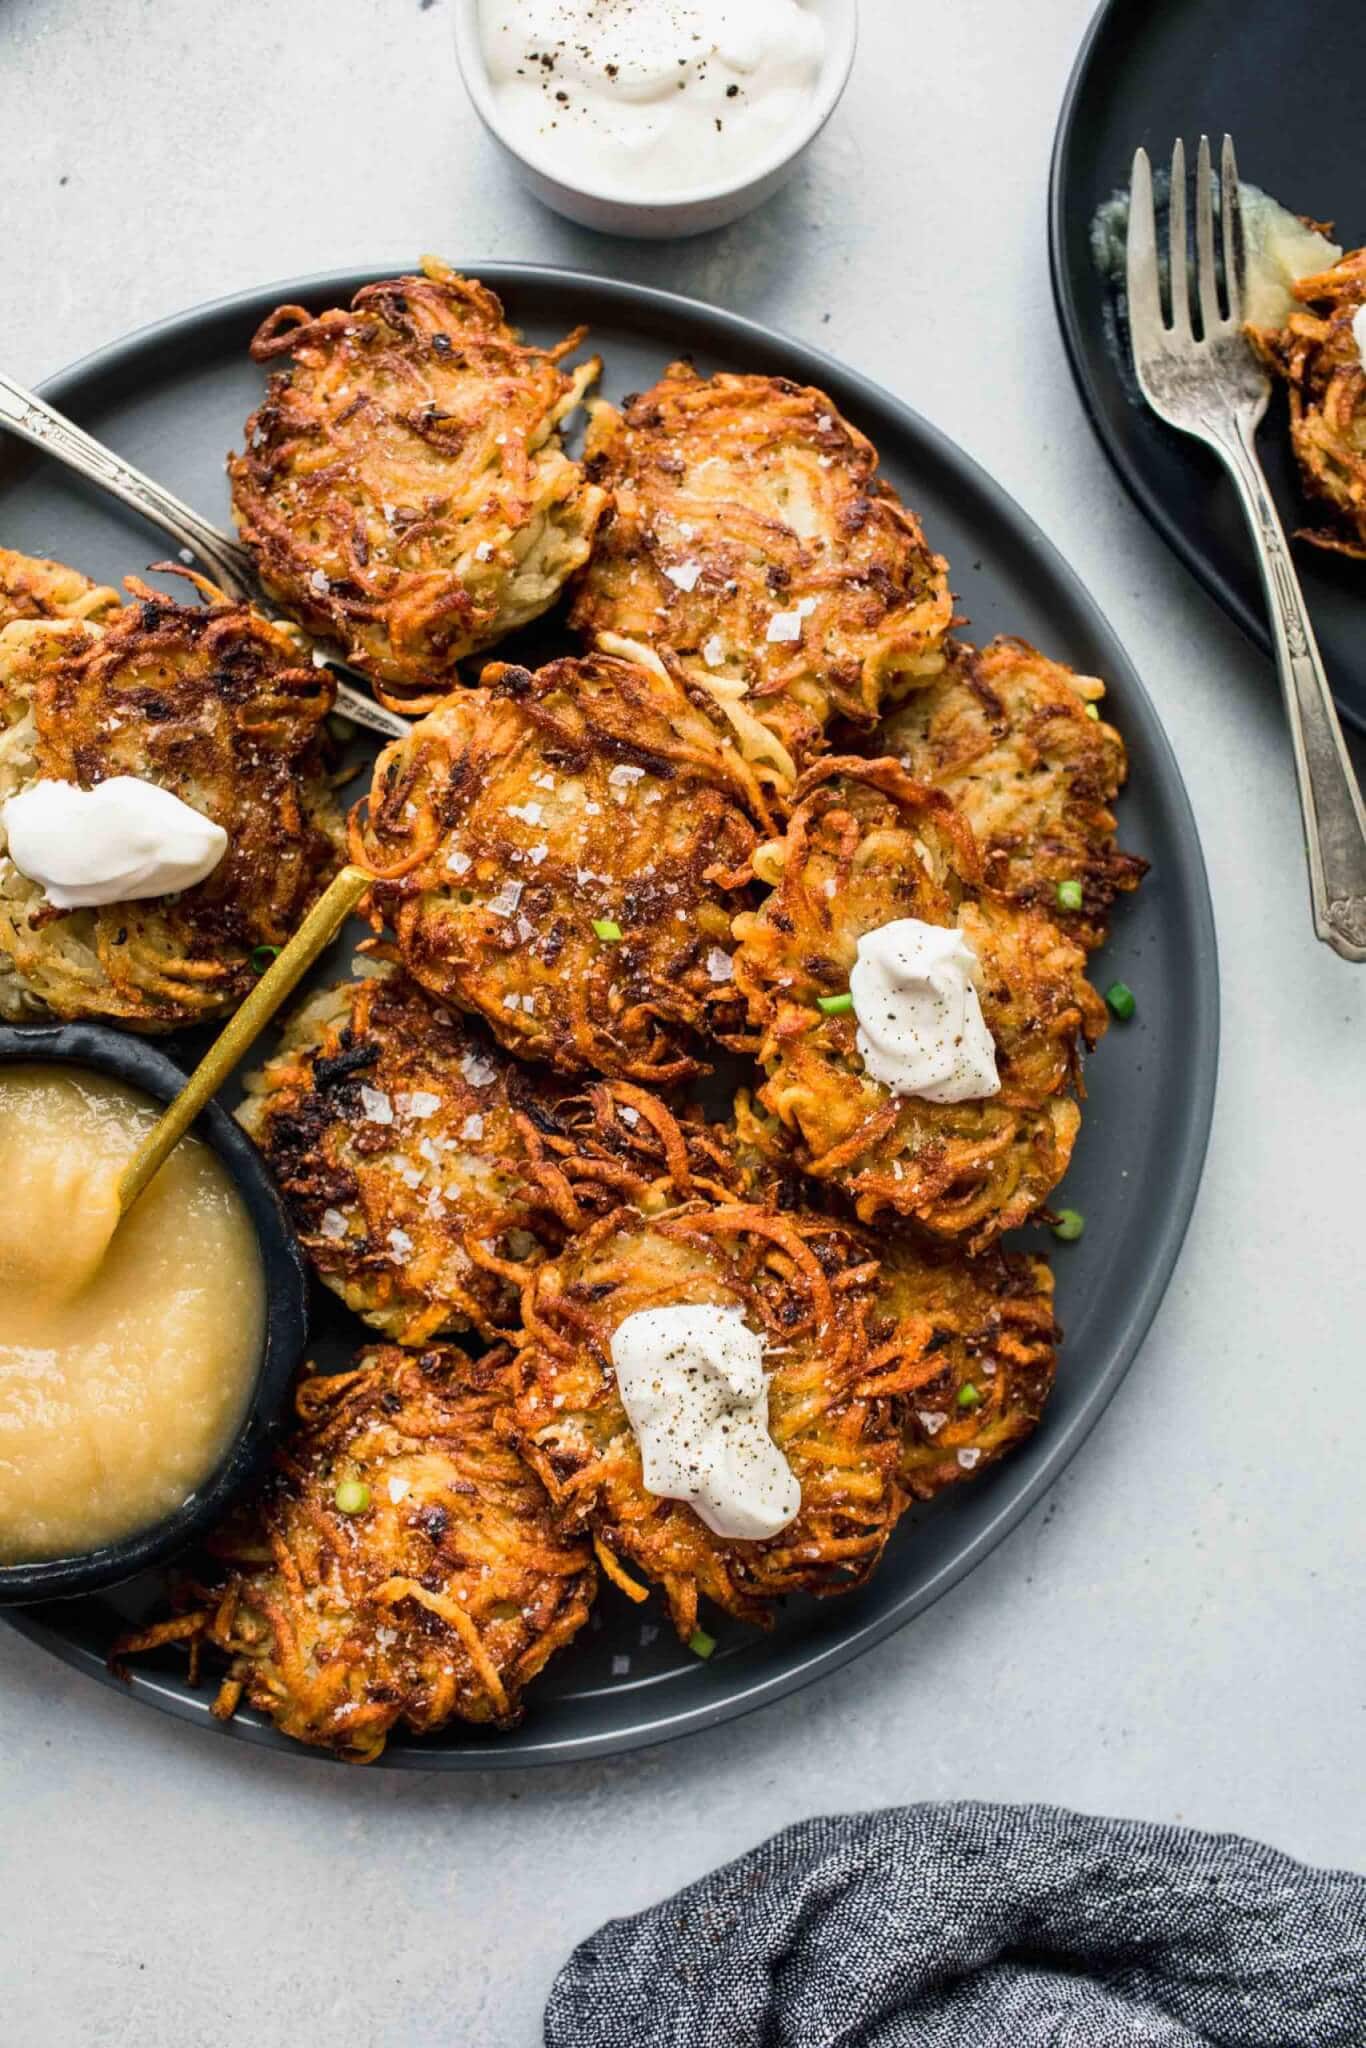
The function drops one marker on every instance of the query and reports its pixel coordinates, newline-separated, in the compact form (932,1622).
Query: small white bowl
(671,213)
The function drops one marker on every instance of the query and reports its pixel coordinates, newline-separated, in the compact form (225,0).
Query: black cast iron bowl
(144,1066)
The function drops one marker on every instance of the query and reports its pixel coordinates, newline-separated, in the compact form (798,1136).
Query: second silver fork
(1214,387)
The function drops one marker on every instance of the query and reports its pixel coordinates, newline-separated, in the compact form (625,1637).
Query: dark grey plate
(173,400)
(1148,71)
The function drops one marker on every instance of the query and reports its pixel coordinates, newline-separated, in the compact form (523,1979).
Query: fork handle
(1330,800)
(226,562)
(29,416)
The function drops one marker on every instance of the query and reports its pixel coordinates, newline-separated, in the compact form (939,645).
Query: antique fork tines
(1213,386)
(224,560)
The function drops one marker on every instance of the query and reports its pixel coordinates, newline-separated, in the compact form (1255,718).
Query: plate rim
(1250,619)
(806,1664)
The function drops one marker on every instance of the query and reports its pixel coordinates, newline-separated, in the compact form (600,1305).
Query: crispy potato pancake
(986,1360)
(404,487)
(867,845)
(805,1283)
(33,588)
(1006,733)
(426,1172)
(556,852)
(213,704)
(1317,356)
(752,544)
(439,1598)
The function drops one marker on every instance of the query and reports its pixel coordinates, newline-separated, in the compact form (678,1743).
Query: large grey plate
(173,399)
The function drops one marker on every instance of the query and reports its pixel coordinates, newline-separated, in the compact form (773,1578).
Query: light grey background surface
(1177,1632)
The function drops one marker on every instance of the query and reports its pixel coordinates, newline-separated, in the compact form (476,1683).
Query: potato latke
(1319,358)
(436,1593)
(556,851)
(805,1283)
(426,1172)
(753,545)
(1006,733)
(986,1355)
(403,487)
(865,846)
(211,703)
(33,588)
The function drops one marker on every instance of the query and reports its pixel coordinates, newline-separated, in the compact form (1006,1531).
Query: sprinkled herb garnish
(261,957)
(1121,999)
(700,1643)
(608,930)
(835,1006)
(1069,895)
(1069,1225)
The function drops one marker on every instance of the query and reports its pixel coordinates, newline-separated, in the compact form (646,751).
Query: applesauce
(128,1355)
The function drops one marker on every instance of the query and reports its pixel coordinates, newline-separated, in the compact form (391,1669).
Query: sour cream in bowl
(655,117)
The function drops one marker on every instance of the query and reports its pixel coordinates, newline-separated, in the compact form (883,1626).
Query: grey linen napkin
(972,1926)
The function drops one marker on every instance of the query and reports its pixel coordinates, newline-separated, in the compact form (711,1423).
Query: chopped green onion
(1069,1225)
(1069,895)
(835,1006)
(1092,711)
(1120,997)
(968,1396)
(607,929)
(261,957)
(352,1496)
(700,1643)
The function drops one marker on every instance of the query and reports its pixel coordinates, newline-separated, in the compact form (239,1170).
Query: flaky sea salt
(333,1224)
(508,897)
(929,1421)
(376,1104)
(685,574)
(720,966)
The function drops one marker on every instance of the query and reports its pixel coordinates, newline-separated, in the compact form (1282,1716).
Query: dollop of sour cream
(650,96)
(121,840)
(920,1025)
(692,1382)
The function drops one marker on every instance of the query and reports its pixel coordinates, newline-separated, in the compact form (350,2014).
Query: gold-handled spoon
(317,931)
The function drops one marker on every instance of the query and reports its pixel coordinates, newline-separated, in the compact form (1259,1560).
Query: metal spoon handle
(225,560)
(242,1029)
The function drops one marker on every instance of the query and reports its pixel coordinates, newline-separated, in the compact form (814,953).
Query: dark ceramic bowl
(145,1066)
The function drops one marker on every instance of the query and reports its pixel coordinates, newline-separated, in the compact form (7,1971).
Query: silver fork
(224,560)
(1216,389)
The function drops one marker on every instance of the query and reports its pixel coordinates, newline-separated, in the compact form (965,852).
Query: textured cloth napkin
(970,1926)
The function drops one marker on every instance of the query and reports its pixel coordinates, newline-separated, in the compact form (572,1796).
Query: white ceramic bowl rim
(839,16)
